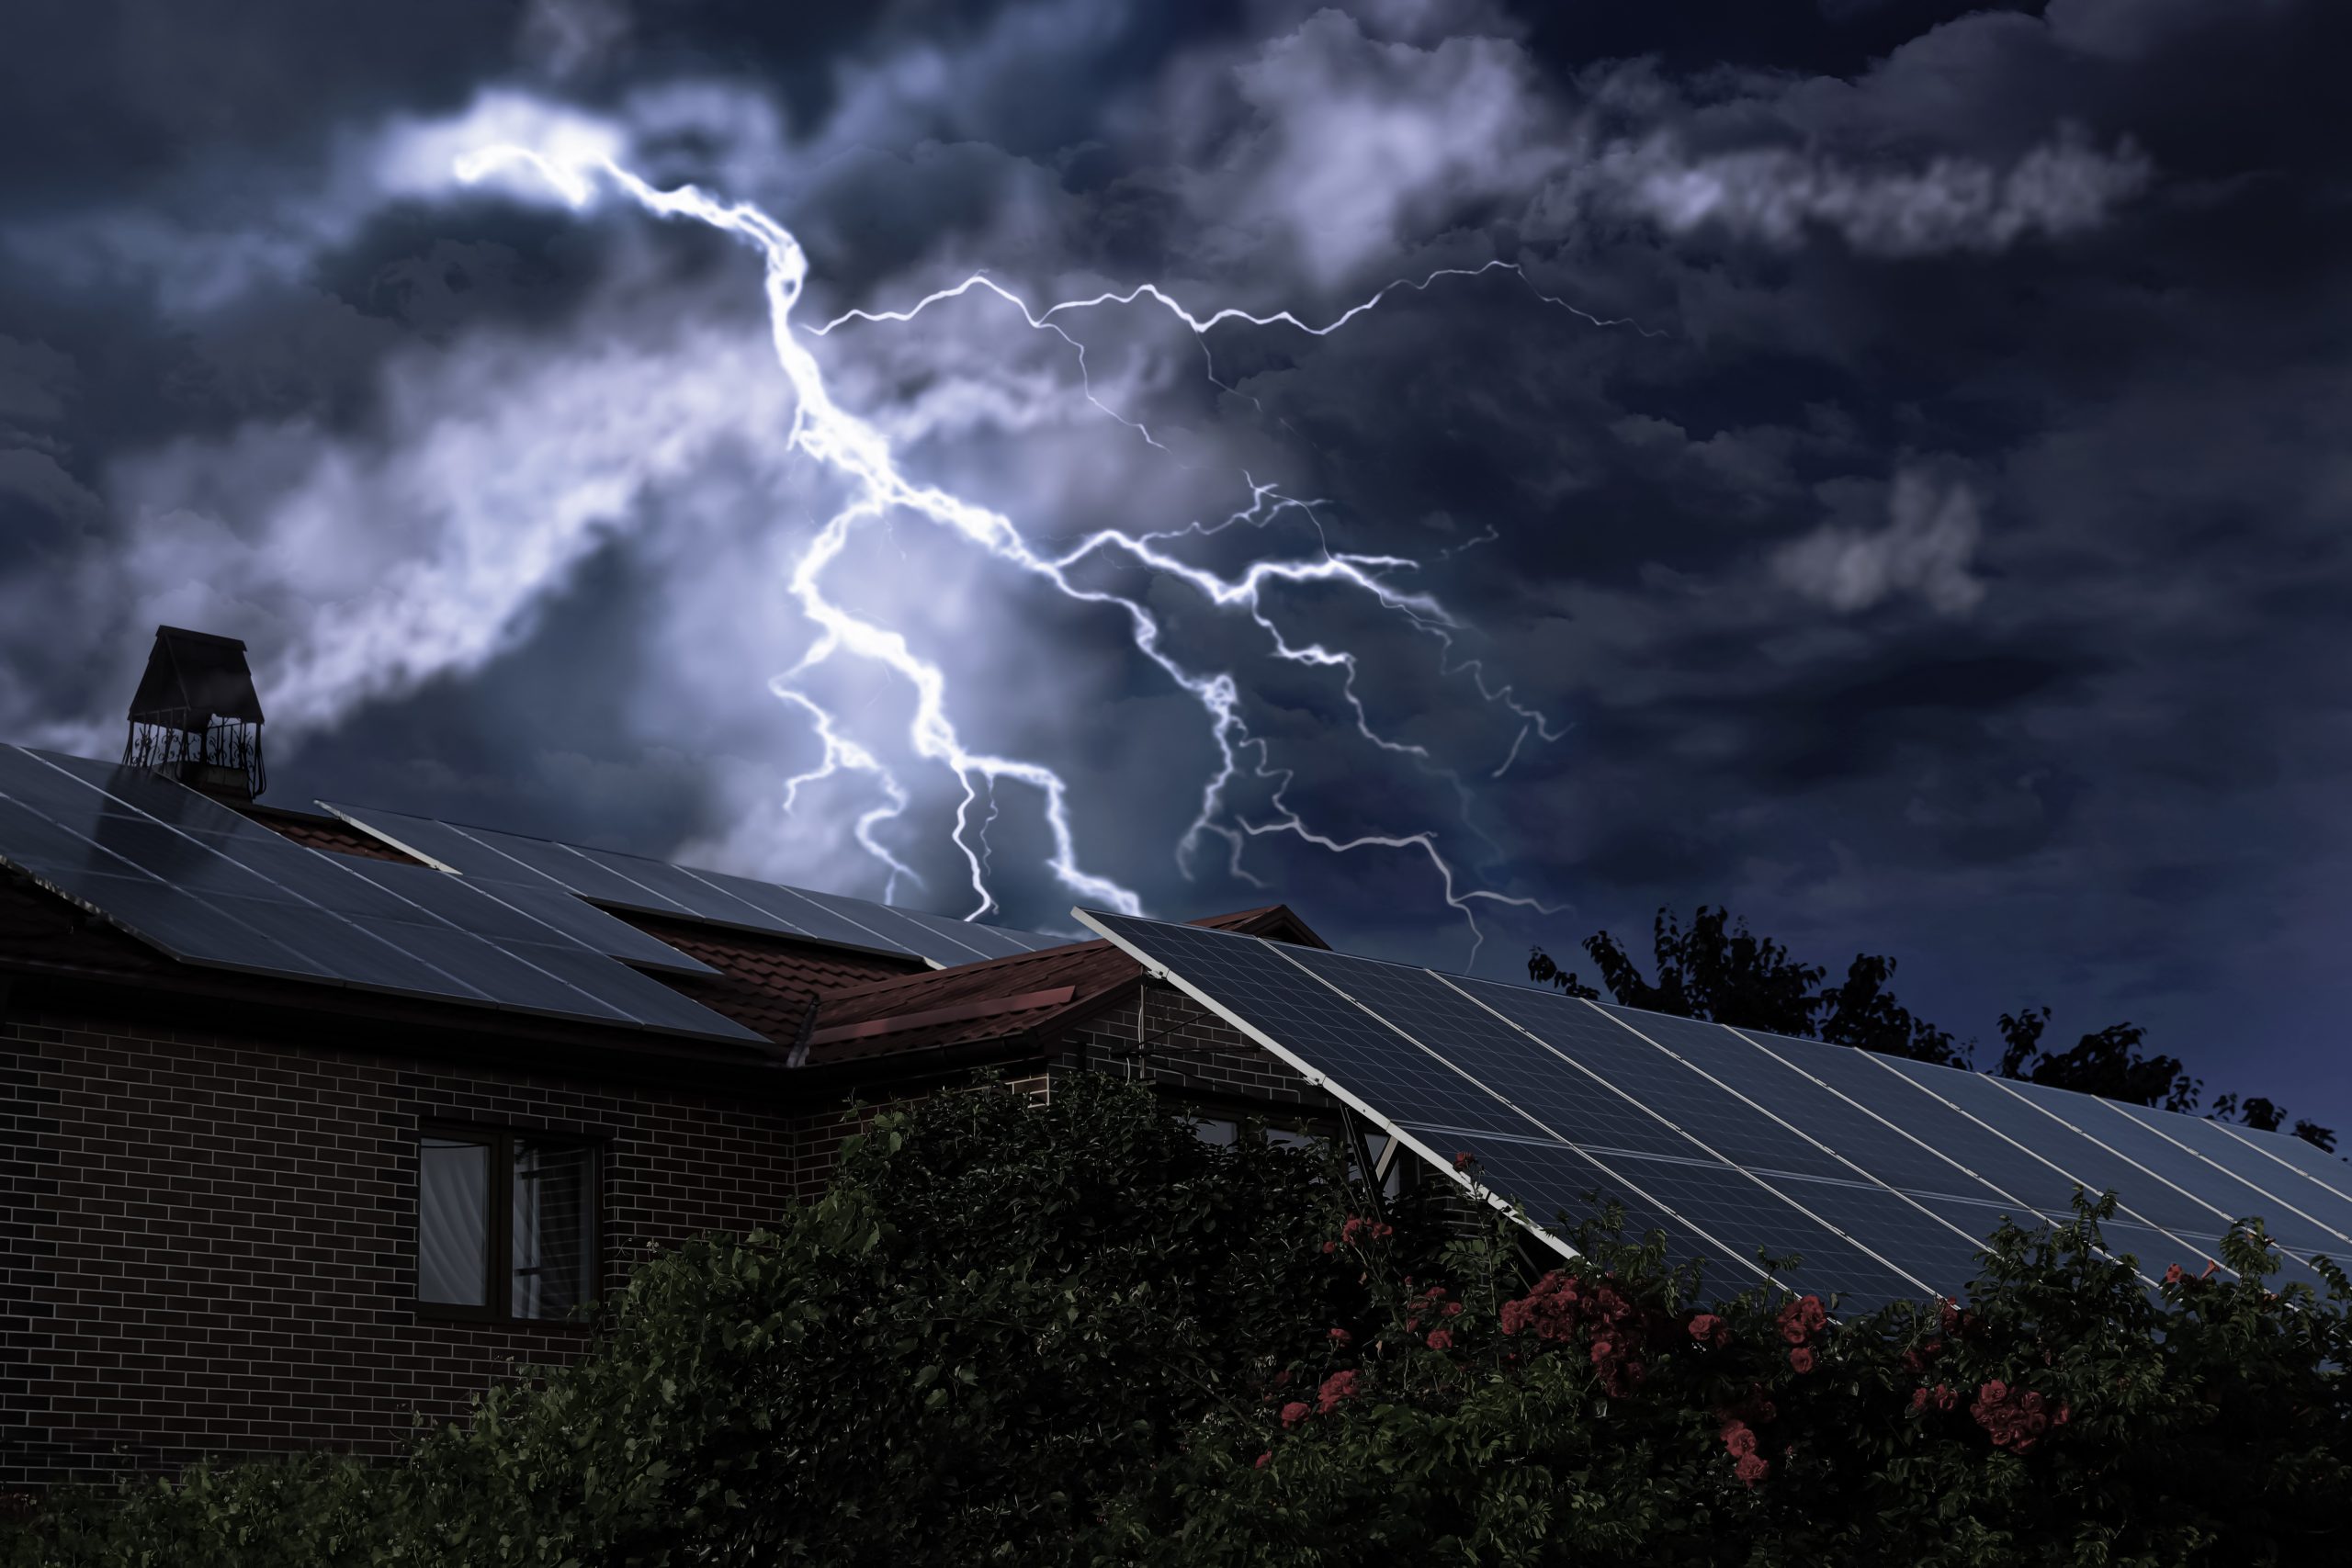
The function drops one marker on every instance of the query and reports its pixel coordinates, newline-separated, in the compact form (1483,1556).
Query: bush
(997,1315)
(2066,1415)
(1076,1334)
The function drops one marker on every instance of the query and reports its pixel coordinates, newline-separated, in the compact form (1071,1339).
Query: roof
(1017,997)
(769,983)
(191,679)
(317,831)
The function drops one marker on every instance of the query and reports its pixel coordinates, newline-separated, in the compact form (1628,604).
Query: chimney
(196,718)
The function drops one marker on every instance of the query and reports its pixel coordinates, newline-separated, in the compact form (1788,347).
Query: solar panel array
(1885,1176)
(656,887)
(197,880)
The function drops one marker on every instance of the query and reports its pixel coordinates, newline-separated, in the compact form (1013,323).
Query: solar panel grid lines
(2260,1144)
(1783,1194)
(227,893)
(1865,1174)
(1607,1167)
(1900,1131)
(2162,1160)
(2328,1169)
(2279,1184)
(640,884)
(1893,1173)
(2130,1214)
(304,945)
(1944,1197)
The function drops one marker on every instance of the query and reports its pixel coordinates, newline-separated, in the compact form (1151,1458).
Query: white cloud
(1353,141)
(1926,549)
(1779,196)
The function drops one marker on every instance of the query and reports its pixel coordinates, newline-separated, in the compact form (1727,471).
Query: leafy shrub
(2068,1414)
(997,1315)
(1075,1334)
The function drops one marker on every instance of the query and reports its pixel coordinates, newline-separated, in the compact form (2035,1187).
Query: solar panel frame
(642,885)
(1932,1225)
(2168,1183)
(2308,1160)
(315,919)
(2279,1183)
(1678,1187)
(2092,1169)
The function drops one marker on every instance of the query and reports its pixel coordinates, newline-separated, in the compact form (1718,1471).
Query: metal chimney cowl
(196,716)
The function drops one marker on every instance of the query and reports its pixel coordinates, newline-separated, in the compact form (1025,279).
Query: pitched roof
(767,983)
(1017,997)
(315,831)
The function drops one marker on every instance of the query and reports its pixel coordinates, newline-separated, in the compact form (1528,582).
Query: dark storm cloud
(1949,560)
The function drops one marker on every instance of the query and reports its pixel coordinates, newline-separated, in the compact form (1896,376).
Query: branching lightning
(859,453)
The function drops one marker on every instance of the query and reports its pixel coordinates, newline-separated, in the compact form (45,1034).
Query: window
(505,1224)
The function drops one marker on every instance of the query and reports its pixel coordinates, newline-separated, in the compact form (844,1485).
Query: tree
(2106,1063)
(1862,1012)
(1724,972)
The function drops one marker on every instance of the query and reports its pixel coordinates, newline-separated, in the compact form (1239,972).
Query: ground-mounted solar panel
(2315,1164)
(1474,1073)
(207,887)
(1887,1176)
(2233,1149)
(2096,1166)
(640,884)
(2174,1160)
(2273,1187)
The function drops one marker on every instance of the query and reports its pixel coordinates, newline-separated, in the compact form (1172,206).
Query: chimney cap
(193,678)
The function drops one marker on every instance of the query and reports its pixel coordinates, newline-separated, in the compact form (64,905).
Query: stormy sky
(1879,466)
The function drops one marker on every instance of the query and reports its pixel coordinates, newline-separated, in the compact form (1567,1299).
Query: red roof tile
(318,832)
(769,983)
(1003,998)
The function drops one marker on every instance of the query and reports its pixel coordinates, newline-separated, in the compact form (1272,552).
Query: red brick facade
(1195,1056)
(210,1245)
(207,1241)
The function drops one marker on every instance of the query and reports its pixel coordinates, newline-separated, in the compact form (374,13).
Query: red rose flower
(1801,1358)
(1336,1387)
(1441,1340)
(1462,1160)
(1751,1470)
(1340,1337)
(1264,1456)
(1293,1412)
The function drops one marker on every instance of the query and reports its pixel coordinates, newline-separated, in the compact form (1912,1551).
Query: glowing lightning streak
(857,450)
(1042,321)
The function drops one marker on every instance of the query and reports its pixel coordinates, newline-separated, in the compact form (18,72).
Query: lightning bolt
(858,452)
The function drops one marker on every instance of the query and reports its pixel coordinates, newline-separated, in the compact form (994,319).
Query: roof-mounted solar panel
(641,885)
(205,886)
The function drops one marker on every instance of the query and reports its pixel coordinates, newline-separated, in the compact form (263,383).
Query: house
(309,1132)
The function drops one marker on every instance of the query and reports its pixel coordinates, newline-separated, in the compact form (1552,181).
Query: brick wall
(1194,1054)
(210,1246)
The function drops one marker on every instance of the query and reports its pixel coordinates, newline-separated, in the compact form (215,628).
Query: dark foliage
(1609,1412)
(1001,1314)
(1073,1334)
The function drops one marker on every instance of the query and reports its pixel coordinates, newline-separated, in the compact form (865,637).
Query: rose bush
(1076,1334)
(2072,1412)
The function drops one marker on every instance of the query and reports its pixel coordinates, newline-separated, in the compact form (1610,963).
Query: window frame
(498,1285)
